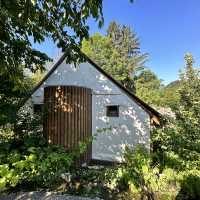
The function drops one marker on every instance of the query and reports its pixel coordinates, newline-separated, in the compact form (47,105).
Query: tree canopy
(24,22)
(171,94)
(149,88)
(188,111)
(181,134)
(118,53)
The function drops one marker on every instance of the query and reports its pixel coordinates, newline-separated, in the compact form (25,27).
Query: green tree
(117,53)
(37,77)
(100,49)
(11,92)
(24,22)
(149,88)
(127,43)
(181,134)
(171,95)
(188,112)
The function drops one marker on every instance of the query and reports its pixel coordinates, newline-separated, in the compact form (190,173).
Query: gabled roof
(155,116)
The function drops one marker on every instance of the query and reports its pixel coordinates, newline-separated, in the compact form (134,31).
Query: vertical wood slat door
(68,117)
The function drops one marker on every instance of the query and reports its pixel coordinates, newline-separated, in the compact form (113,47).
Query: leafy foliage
(11,92)
(23,19)
(143,177)
(176,144)
(149,88)
(37,77)
(24,22)
(128,45)
(171,94)
(28,122)
(188,113)
(181,134)
(138,171)
(33,163)
(118,53)
(190,186)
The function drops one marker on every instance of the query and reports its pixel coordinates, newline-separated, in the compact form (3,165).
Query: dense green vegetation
(24,22)
(27,160)
(118,53)
(31,163)
(149,88)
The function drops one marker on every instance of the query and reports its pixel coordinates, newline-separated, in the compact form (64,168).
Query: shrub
(6,134)
(144,178)
(25,157)
(138,173)
(170,150)
(27,122)
(32,162)
(190,184)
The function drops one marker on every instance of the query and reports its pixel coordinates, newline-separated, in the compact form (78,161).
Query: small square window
(37,108)
(112,111)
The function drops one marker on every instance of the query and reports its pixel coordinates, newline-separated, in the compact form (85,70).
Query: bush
(143,178)
(31,162)
(190,184)
(6,134)
(25,157)
(27,122)
(171,150)
(138,173)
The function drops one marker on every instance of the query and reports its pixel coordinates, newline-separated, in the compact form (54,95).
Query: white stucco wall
(130,128)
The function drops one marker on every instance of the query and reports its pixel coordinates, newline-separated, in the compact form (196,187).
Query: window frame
(109,112)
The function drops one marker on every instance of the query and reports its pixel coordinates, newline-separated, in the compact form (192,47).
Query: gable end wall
(112,134)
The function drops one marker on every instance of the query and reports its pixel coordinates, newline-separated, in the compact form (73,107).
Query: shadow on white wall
(130,128)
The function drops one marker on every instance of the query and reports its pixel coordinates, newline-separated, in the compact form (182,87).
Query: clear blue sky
(167,30)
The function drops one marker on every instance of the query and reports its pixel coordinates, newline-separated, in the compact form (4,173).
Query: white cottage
(117,117)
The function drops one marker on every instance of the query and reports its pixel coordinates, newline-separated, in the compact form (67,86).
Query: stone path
(42,196)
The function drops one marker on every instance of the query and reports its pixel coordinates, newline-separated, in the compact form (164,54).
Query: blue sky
(167,30)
